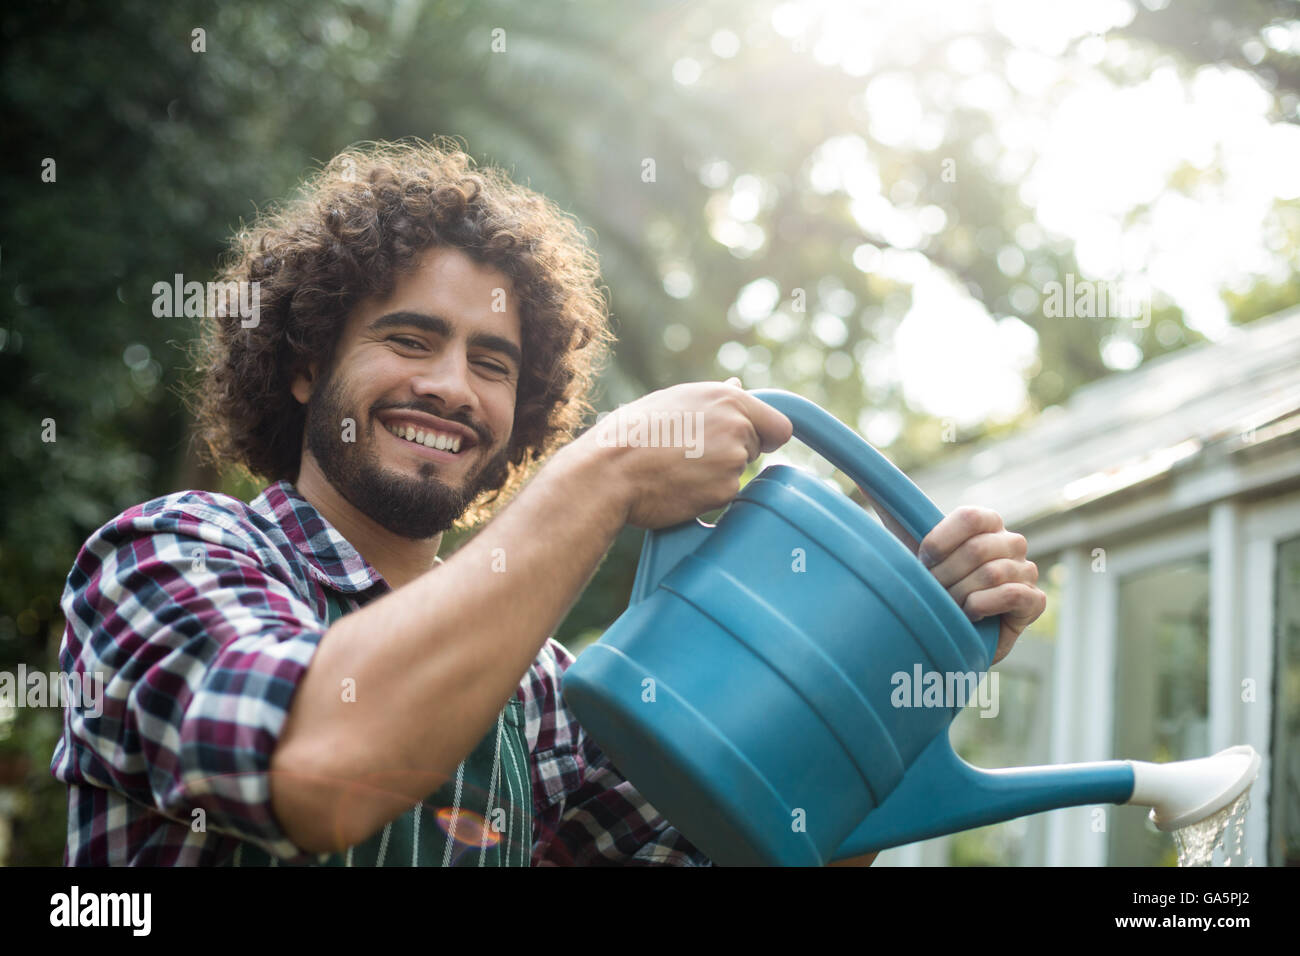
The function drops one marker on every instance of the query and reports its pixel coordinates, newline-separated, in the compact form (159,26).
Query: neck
(399,560)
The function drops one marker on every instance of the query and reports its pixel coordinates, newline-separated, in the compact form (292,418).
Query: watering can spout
(1190,790)
(957,796)
(942,793)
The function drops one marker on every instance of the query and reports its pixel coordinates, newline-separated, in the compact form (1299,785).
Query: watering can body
(751,690)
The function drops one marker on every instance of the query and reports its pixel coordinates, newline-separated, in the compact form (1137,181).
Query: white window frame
(1083,719)
(1264,527)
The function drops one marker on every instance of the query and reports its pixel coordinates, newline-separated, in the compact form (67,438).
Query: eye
(407,341)
(496,367)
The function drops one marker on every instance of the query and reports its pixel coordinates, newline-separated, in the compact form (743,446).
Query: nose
(447,378)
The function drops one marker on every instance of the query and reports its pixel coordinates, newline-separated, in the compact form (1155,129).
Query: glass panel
(1284,788)
(1161,690)
(1016,736)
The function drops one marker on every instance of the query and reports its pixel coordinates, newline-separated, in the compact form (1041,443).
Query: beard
(412,506)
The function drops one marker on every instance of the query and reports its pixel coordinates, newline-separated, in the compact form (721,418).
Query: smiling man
(301,680)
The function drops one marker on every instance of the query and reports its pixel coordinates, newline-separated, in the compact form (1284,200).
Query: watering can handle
(846,450)
(852,454)
(872,472)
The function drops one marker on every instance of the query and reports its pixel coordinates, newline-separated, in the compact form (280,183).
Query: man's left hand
(985,569)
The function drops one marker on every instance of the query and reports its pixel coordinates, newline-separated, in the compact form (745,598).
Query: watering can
(749,689)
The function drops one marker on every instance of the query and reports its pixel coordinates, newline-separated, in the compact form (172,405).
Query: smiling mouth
(434,440)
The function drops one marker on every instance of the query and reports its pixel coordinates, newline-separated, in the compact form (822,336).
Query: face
(436,363)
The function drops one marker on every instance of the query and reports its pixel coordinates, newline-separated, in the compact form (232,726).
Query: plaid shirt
(202,613)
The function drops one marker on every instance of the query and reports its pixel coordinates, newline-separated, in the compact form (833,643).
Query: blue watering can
(748,690)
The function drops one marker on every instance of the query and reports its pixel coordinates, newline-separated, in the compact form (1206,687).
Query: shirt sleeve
(198,642)
(586,812)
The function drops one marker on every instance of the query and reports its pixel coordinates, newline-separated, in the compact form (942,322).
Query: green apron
(483,816)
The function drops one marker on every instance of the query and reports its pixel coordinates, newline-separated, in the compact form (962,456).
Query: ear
(303,384)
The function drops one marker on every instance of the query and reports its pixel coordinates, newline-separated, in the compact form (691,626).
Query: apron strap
(483,816)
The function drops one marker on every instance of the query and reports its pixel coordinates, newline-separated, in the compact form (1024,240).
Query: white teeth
(427,439)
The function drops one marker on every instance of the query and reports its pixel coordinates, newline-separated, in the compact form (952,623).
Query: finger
(1018,603)
(978,550)
(753,443)
(955,528)
(992,574)
(1007,638)
(771,427)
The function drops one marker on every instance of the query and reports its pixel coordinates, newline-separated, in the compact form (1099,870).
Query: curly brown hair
(361,220)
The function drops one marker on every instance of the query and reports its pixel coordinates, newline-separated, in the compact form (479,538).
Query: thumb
(733,381)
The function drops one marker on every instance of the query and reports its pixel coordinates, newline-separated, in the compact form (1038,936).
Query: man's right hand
(663,486)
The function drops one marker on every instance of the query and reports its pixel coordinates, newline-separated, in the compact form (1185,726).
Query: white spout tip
(1186,791)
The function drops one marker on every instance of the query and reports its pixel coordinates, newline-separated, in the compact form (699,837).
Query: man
(302,680)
